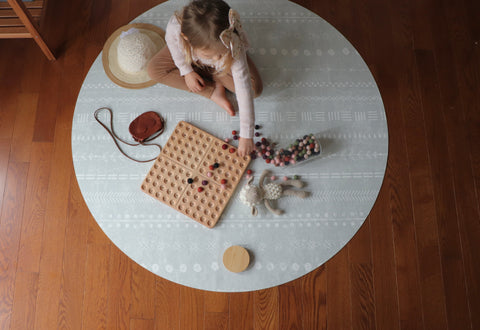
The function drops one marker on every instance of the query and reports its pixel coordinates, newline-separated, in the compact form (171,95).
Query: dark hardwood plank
(4,156)
(426,231)
(46,313)
(422,27)
(399,195)
(458,97)
(167,304)
(10,228)
(98,22)
(140,324)
(23,311)
(468,74)
(33,221)
(426,239)
(450,249)
(361,278)
(241,311)
(71,268)
(94,313)
(217,305)
(12,65)
(8,108)
(410,304)
(216,321)
(365,39)
(314,298)
(266,309)
(339,315)
(473,25)
(429,268)
(118,16)
(70,41)
(383,258)
(46,115)
(73,273)
(119,290)
(142,286)
(290,305)
(342,17)
(216,302)
(23,127)
(192,308)
(33,64)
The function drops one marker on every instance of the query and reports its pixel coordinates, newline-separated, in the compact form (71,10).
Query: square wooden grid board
(188,153)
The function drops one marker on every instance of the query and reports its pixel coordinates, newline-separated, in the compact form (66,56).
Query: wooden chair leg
(27,19)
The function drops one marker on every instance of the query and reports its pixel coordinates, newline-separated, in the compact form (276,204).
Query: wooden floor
(414,264)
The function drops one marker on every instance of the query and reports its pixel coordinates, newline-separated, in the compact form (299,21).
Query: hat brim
(110,59)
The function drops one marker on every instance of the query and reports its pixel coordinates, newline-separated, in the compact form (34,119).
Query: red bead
(223,181)
(211,167)
(264,140)
(224,147)
(200,189)
(268,160)
(234,132)
(287,159)
(232,150)
(249,172)
(312,145)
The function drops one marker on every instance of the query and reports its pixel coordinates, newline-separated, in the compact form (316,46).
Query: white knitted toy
(252,195)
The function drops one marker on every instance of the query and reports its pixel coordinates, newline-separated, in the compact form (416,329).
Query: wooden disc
(236,259)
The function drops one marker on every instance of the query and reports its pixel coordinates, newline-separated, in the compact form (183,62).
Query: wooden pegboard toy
(196,174)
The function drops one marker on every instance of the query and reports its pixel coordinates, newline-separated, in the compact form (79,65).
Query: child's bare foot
(220,97)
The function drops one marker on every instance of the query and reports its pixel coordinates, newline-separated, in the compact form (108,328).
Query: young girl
(206,53)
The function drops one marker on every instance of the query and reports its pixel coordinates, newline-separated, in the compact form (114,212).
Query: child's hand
(245,146)
(194,82)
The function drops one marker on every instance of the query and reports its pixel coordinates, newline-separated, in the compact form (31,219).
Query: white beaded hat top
(127,52)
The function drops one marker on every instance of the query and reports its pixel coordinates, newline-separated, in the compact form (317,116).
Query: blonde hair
(202,22)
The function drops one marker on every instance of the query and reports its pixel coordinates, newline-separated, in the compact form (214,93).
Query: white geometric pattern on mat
(315,82)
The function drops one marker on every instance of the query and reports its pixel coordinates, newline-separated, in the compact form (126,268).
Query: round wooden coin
(236,259)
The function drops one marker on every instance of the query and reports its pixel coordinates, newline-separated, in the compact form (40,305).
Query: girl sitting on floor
(206,53)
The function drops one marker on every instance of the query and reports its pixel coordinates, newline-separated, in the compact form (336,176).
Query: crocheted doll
(252,195)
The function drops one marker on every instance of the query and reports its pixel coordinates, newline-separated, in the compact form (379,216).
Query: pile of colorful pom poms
(302,149)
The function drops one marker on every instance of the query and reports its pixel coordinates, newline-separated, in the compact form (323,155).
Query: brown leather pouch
(146,127)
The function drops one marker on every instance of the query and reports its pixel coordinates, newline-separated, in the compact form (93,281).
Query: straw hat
(127,52)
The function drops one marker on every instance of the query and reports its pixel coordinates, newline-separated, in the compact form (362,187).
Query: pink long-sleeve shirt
(239,68)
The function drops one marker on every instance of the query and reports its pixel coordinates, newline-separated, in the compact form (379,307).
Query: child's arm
(245,146)
(175,46)
(244,93)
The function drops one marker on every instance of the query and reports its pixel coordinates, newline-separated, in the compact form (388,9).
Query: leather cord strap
(116,138)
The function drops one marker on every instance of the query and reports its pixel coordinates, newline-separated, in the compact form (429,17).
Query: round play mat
(315,82)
